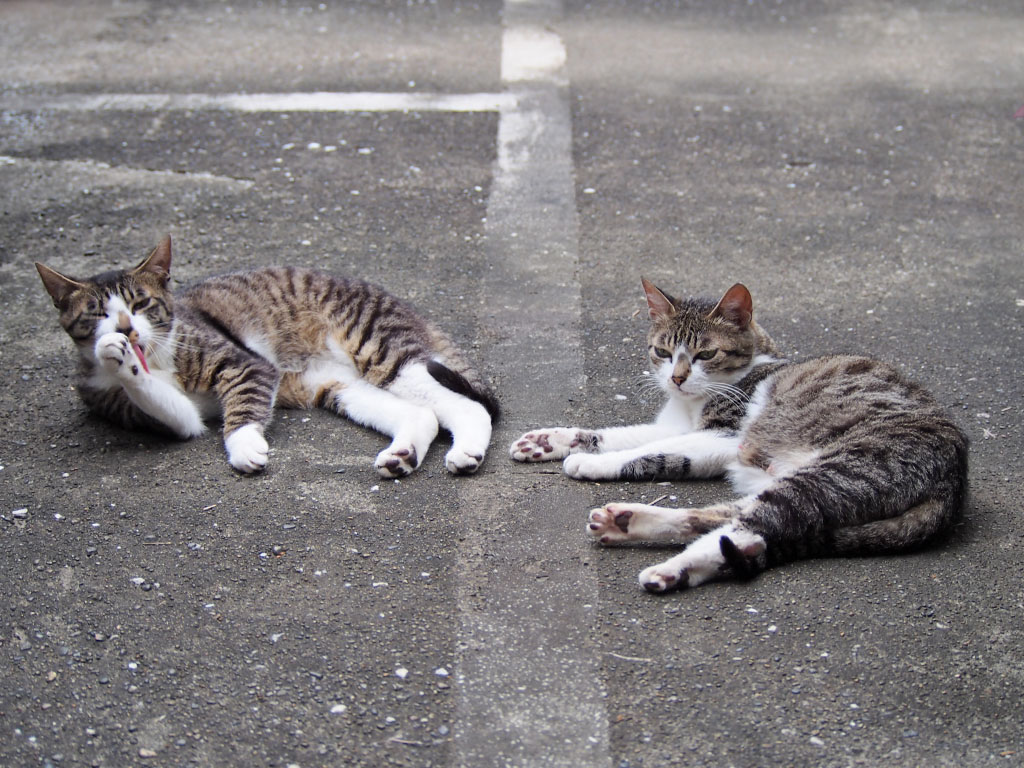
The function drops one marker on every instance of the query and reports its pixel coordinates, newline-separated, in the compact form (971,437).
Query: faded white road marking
(529,675)
(324,101)
(530,53)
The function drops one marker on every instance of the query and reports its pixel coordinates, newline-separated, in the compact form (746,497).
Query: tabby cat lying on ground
(834,456)
(234,346)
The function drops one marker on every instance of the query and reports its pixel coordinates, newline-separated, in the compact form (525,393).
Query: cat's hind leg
(619,523)
(467,420)
(336,386)
(729,550)
(411,426)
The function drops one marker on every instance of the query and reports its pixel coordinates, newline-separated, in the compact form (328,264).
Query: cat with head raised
(838,455)
(235,346)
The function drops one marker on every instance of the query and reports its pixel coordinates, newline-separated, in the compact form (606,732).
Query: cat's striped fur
(834,456)
(236,345)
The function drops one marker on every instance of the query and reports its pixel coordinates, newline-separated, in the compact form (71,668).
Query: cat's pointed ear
(159,261)
(57,285)
(660,304)
(736,307)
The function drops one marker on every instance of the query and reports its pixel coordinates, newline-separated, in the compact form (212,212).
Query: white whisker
(728,392)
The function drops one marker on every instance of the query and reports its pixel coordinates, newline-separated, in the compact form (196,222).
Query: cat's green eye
(705,354)
(663,353)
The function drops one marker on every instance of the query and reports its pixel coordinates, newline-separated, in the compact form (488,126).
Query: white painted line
(530,689)
(532,54)
(317,101)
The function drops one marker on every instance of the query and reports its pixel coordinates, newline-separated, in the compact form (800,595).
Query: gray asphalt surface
(855,164)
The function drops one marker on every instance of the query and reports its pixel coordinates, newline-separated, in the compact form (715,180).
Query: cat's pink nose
(678,380)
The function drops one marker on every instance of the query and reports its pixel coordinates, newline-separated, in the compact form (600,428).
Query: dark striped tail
(459,384)
(912,530)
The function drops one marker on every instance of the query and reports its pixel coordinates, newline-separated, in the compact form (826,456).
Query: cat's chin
(687,397)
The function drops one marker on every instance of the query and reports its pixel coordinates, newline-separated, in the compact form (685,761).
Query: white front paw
(549,444)
(116,355)
(247,449)
(590,466)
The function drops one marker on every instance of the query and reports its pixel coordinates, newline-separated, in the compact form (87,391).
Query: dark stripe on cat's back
(367,330)
(226,332)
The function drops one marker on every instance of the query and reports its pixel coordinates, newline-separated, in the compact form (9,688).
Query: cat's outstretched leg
(728,550)
(247,389)
(467,420)
(336,386)
(411,426)
(555,443)
(701,454)
(620,523)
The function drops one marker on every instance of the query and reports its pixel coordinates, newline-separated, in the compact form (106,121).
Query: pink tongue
(142,357)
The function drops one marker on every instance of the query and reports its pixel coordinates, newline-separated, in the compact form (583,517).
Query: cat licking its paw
(237,345)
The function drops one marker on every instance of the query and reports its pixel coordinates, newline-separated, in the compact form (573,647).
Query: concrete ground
(512,168)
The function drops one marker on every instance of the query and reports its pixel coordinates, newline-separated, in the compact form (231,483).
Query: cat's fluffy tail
(466,385)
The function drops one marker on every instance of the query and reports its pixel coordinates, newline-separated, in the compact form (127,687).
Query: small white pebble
(441,672)
(338,709)
(402,673)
